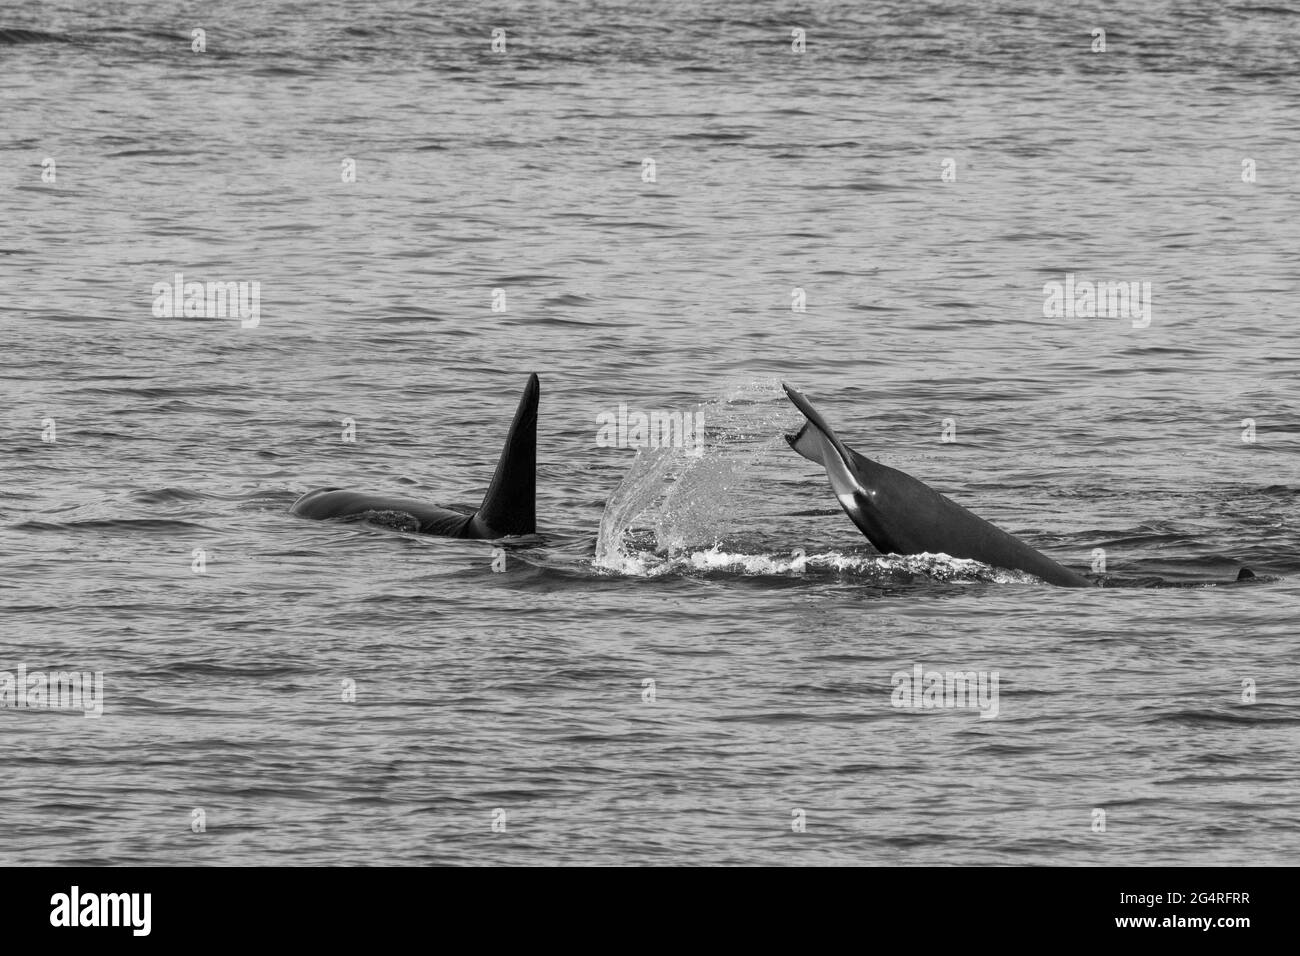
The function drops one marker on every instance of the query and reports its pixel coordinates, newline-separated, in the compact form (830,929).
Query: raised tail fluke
(805,442)
(817,442)
(509,507)
(811,440)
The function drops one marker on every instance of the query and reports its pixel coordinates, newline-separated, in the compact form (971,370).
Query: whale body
(901,515)
(508,508)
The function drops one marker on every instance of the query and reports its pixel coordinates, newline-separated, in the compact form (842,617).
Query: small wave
(1252,714)
(11,35)
(164,495)
(185,670)
(109,524)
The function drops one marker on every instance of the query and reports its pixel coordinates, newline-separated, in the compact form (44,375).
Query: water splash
(692,510)
(673,500)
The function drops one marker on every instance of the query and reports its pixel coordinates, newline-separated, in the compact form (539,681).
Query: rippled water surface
(731,579)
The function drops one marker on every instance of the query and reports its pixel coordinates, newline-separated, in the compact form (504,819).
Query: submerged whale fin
(509,507)
(1245,574)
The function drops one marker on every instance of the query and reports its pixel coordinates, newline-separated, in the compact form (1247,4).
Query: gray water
(731,579)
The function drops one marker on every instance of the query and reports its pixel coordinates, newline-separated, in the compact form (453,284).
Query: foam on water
(870,568)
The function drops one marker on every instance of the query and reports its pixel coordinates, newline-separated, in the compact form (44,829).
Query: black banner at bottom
(130,907)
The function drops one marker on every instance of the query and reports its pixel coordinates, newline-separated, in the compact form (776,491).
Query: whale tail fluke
(509,507)
(812,440)
(817,442)
(805,442)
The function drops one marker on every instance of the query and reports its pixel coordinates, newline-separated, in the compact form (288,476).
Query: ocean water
(695,661)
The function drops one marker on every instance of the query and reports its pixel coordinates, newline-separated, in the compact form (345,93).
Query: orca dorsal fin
(509,507)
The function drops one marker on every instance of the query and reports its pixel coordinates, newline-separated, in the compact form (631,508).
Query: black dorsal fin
(509,507)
